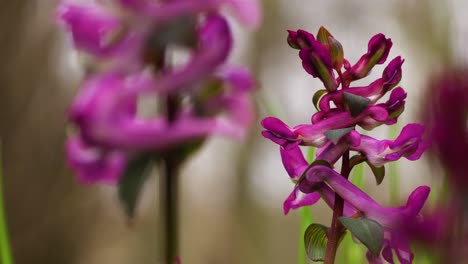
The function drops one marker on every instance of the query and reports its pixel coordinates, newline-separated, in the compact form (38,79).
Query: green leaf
(317,97)
(355,103)
(379,172)
(368,231)
(132,181)
(315,241)
(336,134)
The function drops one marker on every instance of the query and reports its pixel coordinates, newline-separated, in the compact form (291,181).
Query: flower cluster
(333,131)
(130,43)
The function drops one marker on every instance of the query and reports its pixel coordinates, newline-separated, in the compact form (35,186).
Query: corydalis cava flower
(129,41)
(333,131)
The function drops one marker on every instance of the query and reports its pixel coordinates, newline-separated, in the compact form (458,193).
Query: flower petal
(101,34)
(313,135)
(317,62)
(215,42)
(94,165)
(90,27)
(409,144)
(247,11)
(298,199)
(294,162)
(386,216)
(377,52)
(392,73)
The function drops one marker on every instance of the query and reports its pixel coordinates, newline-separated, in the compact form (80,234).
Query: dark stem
(169,191)
(169,196)
(159,57)
(337,229)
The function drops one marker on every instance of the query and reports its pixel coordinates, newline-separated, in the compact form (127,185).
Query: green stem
(5,251)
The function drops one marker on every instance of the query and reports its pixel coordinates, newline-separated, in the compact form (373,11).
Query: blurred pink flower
(132,36)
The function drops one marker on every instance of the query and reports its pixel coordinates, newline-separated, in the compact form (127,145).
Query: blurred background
(232,193)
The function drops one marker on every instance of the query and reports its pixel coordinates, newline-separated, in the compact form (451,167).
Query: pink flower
(393,220)
(133,41)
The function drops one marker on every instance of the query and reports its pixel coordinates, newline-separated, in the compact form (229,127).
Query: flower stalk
(337,229)
(169,197)
(169,191)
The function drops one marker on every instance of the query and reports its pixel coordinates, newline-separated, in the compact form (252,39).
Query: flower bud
(300,39)
(334,47)
(317,62)
(377,53)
